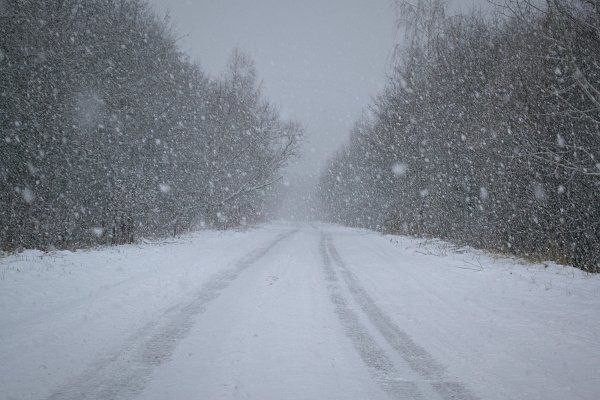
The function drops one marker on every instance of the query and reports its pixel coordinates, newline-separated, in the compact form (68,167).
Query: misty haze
(299,200)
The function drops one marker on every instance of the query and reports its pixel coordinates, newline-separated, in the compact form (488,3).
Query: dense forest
(487,134)
(109,132)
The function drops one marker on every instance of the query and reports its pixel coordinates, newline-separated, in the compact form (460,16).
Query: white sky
(319,60)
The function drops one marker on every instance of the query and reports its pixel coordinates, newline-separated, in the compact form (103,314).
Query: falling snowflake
(27,195)
(399,169)
(163,187)
(539,192)
(483,193)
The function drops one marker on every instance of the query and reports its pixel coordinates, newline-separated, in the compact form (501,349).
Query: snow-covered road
(295,311)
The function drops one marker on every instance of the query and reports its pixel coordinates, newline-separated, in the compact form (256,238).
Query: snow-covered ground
(287,311)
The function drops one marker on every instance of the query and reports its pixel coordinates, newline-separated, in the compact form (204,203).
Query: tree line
(108,131)
(487,133)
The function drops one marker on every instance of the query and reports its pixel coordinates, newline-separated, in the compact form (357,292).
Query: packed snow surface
(286,311)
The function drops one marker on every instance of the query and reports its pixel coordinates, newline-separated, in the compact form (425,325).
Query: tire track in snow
(380,365)
(415,356)
(125,374)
